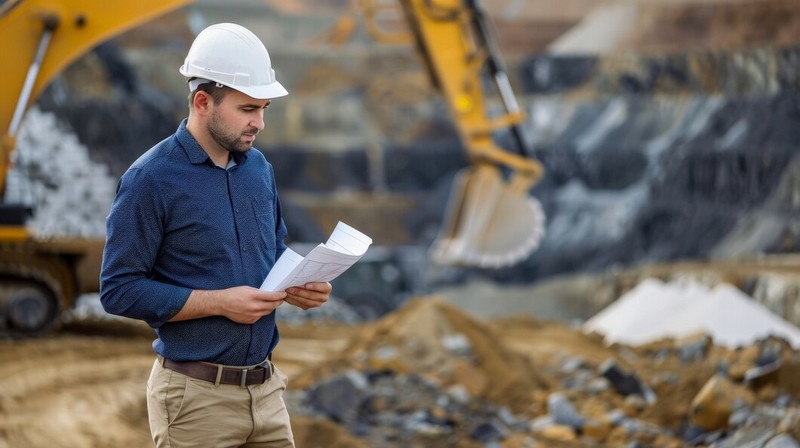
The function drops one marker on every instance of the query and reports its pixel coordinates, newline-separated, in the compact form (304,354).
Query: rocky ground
(429,374)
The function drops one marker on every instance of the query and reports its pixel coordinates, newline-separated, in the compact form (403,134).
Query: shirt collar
(195,152)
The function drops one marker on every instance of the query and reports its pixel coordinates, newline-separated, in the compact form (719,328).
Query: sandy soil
(73,389)
(84,386)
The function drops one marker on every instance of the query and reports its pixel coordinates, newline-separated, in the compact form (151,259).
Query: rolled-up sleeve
(134,234)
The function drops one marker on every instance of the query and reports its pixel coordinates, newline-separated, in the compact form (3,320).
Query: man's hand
(245,304)
(241,304)
(310,295)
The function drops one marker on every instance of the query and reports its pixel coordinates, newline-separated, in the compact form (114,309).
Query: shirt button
(237,210)
(244,249)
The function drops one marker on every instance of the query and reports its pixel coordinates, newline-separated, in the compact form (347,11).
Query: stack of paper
(324,263)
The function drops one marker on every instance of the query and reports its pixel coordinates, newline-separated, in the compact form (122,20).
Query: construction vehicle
(491,222)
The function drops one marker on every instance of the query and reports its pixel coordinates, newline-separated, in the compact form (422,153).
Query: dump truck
(491,219)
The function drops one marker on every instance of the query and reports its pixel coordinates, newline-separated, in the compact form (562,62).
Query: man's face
(236,120)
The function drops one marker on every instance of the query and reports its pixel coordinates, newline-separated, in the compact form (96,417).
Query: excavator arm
(41,37)
(491,221)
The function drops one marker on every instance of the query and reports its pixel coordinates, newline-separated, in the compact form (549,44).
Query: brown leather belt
(219,374)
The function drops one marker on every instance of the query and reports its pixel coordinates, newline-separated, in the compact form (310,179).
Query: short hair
(217,92)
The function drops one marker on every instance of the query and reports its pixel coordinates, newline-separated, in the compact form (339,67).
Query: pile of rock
(334,311)
(52,172)
(654,310)
(432,375)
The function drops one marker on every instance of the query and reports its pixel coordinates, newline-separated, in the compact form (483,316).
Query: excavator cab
(39,277)
(491,221)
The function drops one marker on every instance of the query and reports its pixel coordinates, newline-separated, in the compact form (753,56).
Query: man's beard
(230,141)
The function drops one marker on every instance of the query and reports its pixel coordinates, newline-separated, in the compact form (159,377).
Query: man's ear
(202,102)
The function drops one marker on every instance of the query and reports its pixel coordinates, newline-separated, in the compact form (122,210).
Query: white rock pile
(52,172)
(655,310)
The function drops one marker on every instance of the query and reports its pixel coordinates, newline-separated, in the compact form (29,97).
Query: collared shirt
(180,223)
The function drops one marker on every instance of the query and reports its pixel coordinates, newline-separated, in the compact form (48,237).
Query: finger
(324,287)
(302,304)
(273,296)
(299,292)
(310,297)
(267,306)
(308,294)
(304,298)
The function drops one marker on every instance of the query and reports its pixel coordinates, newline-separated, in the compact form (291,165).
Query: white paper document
(324,263)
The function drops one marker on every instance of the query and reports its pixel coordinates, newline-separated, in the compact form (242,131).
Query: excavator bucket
(489,222)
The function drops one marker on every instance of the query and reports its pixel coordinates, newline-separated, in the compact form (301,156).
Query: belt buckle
(269,368)
(243,383)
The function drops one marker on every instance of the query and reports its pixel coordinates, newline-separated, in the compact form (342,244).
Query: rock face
(673,160)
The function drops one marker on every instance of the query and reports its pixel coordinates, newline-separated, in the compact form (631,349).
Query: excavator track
(27,307)
(34,288)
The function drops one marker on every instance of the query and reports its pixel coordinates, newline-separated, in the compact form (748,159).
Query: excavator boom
(490,220)
(42,37)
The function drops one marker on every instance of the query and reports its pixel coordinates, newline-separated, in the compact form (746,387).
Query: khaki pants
(186,412)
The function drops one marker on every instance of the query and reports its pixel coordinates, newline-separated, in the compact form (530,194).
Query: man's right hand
(245,304)
(241,304)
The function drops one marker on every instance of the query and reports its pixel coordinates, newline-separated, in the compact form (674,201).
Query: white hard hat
(233,56)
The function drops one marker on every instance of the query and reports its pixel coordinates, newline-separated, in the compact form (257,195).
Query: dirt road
(84,386)
(73,389)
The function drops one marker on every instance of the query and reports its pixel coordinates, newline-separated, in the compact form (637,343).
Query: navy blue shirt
(180,223)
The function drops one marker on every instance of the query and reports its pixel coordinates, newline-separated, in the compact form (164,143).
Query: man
(194,229)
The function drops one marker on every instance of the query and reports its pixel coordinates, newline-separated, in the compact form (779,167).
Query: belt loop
(219,375)
(244,378)
(162,360)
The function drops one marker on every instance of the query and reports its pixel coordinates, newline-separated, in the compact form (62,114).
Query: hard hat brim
(265,92)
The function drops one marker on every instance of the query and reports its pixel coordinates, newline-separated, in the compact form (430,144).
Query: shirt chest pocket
(265,221)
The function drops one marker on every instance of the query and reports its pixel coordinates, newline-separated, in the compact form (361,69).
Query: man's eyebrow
(254,105)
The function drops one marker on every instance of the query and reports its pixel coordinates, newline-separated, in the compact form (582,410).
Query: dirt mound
(654,310)
(74,391)
(310,432)
(431,337)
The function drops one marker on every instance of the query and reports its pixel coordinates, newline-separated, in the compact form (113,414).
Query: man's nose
(258,121)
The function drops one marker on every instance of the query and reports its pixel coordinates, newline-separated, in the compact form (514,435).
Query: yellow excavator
(491,220)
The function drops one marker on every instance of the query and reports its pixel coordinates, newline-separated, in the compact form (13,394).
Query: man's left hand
(310,295)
